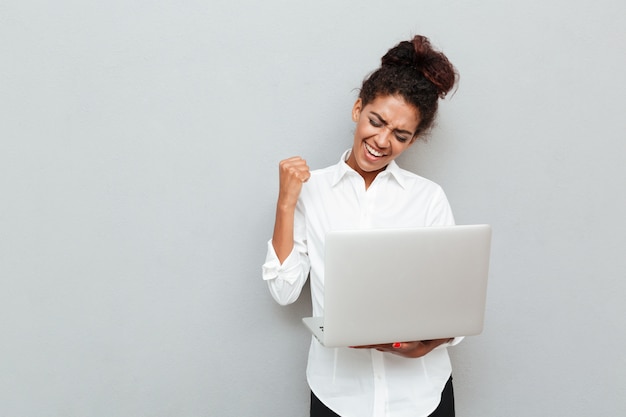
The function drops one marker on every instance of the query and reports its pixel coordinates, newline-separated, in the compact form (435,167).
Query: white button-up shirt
(361,382)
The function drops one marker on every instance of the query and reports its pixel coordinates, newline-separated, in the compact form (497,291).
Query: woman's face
(384,129)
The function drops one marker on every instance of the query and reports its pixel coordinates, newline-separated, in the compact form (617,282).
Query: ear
(356,110)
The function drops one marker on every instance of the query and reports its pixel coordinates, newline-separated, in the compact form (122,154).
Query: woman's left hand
(415,349)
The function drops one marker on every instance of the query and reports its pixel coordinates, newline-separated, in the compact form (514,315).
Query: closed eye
(401,138)
(375,122)
(401,135)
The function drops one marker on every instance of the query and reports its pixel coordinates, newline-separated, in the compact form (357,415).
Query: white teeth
(372,151)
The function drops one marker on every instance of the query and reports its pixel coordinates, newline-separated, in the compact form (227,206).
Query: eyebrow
(383,121)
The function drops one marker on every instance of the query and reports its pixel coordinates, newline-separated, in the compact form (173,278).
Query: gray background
(138,176)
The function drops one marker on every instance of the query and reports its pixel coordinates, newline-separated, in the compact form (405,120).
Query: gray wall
(138,175)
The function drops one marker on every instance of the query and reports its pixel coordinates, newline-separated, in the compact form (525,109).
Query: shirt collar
(393,170)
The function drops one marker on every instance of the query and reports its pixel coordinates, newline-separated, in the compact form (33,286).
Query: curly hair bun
(421,56)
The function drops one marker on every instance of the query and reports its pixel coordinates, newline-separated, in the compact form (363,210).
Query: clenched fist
(293,173)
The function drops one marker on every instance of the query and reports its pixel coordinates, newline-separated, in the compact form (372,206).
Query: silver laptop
(399,285)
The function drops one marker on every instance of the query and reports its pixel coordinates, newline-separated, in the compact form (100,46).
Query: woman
(397,104)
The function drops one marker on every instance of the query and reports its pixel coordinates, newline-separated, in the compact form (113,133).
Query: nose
(383,137)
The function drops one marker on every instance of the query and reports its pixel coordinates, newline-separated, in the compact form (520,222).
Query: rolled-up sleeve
(285,280)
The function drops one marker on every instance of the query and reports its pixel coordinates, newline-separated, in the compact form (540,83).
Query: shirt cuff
(455,341)
(287,271)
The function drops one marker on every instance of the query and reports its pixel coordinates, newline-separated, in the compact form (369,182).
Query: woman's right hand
(293,173)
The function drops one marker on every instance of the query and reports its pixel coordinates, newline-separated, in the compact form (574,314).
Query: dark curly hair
(418,73)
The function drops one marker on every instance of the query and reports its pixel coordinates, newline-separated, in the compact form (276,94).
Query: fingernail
(397,345)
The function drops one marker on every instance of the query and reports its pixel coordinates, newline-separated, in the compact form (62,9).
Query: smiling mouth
(373,151)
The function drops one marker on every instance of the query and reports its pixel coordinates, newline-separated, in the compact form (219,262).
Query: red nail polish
(397,345)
